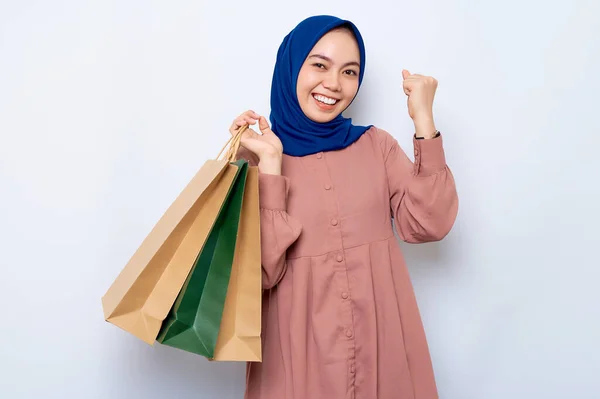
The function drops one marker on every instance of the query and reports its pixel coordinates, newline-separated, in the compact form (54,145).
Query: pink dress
(340,319)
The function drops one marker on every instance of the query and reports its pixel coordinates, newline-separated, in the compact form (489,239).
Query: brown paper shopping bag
(144,291)
(239,336)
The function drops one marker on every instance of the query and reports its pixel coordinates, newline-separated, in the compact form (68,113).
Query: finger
(407,87)
(264,125)
(250,116)
(234,126)
(249,120)
(422,79)
(405,74)
(241,121)
(238,123)
(251,113)
(414,83)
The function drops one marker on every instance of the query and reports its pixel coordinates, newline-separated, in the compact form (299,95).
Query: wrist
(425,127)
(270,165)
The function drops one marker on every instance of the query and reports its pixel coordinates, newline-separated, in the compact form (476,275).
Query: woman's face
(328,79)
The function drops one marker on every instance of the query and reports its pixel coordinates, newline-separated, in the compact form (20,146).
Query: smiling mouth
(324,100)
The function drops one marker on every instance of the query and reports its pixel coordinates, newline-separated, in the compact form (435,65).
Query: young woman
(340,319)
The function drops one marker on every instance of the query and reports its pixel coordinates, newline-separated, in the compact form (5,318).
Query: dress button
(345,295)
(319,156)
(339,258)
(349,333)
(352,369)
(328,187)
(334,222)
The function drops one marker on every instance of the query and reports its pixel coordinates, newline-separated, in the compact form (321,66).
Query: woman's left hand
(420,90)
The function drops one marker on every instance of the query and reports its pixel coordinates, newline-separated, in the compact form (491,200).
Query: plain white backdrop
(108,108)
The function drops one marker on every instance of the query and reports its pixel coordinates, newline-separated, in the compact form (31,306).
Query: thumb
(264,125)
(405,74)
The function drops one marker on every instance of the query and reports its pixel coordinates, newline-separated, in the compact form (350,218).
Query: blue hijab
(299,135)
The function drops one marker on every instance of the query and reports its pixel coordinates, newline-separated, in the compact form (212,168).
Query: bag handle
(234,145)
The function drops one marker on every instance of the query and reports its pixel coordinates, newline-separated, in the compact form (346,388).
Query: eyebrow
(323,57)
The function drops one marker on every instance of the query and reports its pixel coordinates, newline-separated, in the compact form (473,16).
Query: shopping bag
(143,293)
(194,321)
(239,336)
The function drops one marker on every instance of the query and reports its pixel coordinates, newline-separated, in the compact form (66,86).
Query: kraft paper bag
(194,322)
(145,290)
(240,332)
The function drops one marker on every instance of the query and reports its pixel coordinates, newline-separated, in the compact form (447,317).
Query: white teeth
(325,100)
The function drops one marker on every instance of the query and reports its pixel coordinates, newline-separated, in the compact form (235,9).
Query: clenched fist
(420,90)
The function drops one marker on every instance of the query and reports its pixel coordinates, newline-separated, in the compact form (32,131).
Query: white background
(108,108)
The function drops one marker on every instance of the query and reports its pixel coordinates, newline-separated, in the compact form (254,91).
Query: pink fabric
(340,319)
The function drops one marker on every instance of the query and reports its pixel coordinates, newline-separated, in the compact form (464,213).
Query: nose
(332,82)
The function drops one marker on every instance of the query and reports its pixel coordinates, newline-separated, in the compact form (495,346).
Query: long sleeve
(423,196)
(278,230)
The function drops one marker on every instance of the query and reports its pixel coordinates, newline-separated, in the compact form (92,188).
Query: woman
(340,318)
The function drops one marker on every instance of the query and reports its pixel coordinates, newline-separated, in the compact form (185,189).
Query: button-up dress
(340,319)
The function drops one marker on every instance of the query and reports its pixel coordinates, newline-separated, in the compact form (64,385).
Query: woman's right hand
(266,146)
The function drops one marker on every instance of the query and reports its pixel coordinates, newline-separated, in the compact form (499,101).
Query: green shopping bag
(194,320)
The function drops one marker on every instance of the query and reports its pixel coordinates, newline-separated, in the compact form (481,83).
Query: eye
(350,72)
(319,65)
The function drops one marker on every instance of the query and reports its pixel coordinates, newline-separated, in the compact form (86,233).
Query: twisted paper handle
(234,145)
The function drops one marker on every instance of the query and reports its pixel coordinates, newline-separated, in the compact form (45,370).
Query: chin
(320,117)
